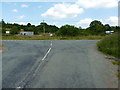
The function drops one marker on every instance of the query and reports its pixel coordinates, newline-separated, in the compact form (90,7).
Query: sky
(75,12)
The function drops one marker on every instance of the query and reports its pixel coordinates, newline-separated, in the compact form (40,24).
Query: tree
(43,23)
(53,29)
(38,29)
(14,30)
(3,23)
(107,27)
(28,25)
(48,28)
(68,30)
(96,28)
(3,30)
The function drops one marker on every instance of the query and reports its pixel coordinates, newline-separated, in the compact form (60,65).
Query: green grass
(38,37)
(116,62)
(118,74)
(1,46)
(109,45)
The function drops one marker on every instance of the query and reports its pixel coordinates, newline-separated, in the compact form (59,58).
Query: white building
(109,32)
(50,34)
(7,32)
(26,33)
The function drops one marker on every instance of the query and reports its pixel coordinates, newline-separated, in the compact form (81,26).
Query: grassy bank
(109,45)
(1,46)
(38,37)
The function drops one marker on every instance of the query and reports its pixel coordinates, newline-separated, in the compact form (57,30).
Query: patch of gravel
(112,58)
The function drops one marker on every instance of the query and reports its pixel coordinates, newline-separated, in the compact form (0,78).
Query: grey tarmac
(56,64)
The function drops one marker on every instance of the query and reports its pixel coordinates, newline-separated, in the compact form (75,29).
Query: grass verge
(1,46)
(110,46)
(38,37)
(116,62)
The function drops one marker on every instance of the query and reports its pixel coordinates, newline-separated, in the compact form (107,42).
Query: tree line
(95,28)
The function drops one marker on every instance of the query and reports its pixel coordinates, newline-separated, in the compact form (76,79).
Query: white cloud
(97,3)
(37,0)
(21,17)
(15,10)
(21,23)
(112,20)
(24,5)
(61,11)
(85,22)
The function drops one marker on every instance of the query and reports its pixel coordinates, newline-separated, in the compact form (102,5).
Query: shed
(7,32)
(109,32)
(26,33)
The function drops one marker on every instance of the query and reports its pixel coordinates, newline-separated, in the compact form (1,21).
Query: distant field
(38,37)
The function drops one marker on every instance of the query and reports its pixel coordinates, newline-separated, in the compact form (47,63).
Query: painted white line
(43,59)
(18,88)
(37,67)
(46,54)
(51,44)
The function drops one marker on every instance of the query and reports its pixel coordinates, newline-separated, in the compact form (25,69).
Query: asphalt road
(56,64)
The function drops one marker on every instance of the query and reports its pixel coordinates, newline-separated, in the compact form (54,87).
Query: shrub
(110,45)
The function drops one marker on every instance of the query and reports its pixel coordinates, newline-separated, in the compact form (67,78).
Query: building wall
(109,32)
(27,33)
(7,32)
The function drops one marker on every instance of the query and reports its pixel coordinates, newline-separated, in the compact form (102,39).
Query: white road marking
(38,66)
(18,88)
(46,54)
(37,69)
(51,44)
(43,59)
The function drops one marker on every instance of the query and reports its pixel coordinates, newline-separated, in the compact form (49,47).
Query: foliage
(95,28)
(68,30)
(41,37)
(110,45)
(14,30)
(116,62)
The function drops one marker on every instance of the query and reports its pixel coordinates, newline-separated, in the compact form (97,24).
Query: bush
(68,30)
(110,45)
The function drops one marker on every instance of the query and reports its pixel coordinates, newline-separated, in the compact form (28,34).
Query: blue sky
(78,13)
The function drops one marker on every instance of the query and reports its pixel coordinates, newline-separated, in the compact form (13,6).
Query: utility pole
(43,27)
